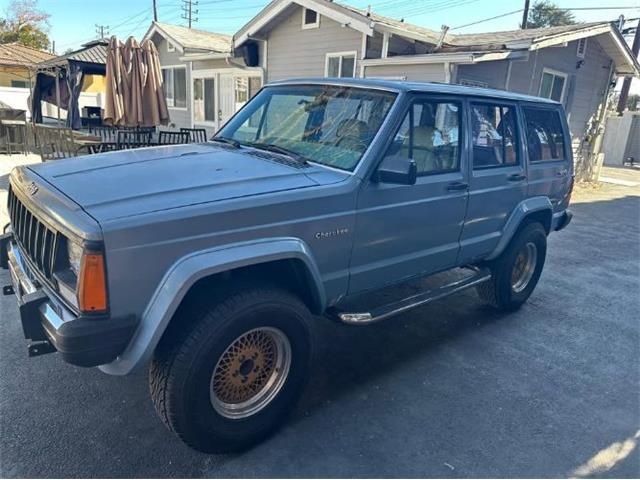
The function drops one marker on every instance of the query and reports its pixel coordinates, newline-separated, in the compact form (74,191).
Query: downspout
(507,79)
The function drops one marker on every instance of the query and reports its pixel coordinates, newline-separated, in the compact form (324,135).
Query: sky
(73,22)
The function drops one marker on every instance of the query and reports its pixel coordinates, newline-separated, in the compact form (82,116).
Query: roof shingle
(194,39)
(16,54)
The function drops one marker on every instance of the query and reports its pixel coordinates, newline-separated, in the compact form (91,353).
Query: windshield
(330,125)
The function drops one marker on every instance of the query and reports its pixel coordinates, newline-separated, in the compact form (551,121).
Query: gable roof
(368,22)
(18,55)
(191,38)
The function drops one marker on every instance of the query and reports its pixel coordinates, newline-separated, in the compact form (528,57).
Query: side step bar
(409,303)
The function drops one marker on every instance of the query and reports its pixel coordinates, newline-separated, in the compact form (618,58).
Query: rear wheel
(231,372)
(515,274)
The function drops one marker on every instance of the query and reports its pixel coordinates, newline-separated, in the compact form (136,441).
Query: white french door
(226,99)
(217,95)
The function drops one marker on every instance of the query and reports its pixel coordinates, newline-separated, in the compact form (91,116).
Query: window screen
(310,16)
(545,137)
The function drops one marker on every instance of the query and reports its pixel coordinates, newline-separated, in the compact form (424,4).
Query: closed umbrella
(134,91)
(155,104)
(114,101)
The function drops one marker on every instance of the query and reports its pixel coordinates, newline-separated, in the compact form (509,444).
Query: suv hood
(133,182)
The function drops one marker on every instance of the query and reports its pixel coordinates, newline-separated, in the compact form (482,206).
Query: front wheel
(230,377)
(515,274)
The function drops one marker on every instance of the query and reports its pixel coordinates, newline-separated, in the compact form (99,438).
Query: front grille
(38,242)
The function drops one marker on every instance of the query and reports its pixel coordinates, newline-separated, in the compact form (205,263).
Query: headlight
(88,290)
(74,252)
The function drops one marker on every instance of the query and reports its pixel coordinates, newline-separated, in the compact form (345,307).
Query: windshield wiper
(270,147)
(227,141)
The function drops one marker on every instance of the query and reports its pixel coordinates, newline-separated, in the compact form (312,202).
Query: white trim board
(328,55)
(154,28)
(308,26)
(275,8)
(556,73)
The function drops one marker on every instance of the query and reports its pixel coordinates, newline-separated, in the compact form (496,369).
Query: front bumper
(86,341)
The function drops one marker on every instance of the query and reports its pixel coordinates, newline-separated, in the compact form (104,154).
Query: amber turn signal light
(92,284)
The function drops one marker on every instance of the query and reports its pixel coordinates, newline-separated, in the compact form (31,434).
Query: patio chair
(128,139)
(172,138)
(46,140)
(13,136)
(55,143)
(108,134)
(196,135)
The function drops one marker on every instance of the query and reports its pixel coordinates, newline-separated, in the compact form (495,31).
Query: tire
(204,412)
(503,291)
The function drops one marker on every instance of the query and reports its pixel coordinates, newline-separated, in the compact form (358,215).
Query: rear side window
(494,135)
(545,138)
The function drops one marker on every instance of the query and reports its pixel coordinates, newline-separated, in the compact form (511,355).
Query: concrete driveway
(450,390)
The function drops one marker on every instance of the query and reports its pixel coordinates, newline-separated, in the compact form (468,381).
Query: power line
(488,19)
(101,30)
(626,7)
(188,11)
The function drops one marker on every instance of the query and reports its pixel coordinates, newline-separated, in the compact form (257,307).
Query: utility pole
(101,30)
(189,12)
(626,84)
(155,11)
(525,15)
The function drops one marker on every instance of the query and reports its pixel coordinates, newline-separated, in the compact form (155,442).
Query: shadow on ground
(449,390)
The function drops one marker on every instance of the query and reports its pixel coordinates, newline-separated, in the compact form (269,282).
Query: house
(204,84)
(17,63)
(573,64)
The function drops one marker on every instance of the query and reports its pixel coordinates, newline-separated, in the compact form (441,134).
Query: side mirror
(397,169)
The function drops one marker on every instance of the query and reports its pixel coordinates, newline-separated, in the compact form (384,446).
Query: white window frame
(186,93)
(581,53)
(340,55)
(306,26)
(170,47)
(556,73)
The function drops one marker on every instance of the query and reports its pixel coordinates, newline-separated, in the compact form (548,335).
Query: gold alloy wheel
(250,372)
(524,267)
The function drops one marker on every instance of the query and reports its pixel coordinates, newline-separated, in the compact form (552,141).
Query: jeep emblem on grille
(32,188)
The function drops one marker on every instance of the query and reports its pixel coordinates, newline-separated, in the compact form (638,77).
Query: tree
(632,102)
(544,13)
(25,24)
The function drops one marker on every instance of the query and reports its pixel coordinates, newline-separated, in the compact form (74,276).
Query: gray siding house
(574,64)
(203,83)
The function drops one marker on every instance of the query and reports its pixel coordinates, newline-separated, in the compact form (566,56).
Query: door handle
(562,173)
(456,186)
(516,177)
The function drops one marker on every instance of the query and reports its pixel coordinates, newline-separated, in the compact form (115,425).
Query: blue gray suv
(210,263)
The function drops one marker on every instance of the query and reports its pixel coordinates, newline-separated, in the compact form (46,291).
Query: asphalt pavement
(449,390)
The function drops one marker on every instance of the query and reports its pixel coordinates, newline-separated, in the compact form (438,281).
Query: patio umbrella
(114,101)
(155,104)
(135,96)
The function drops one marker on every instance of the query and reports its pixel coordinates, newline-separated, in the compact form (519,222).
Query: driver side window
(429,134)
